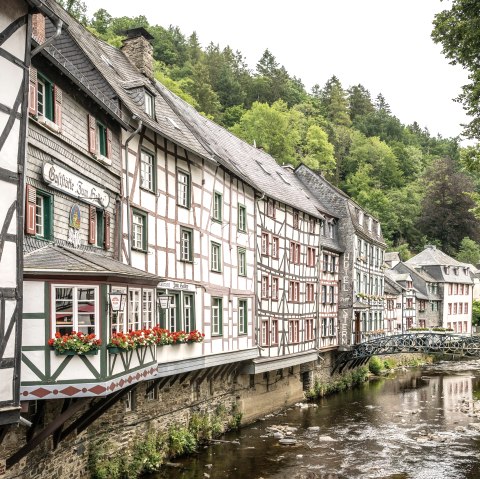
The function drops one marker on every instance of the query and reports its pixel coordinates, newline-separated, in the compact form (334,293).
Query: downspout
(127,187)
(50,40)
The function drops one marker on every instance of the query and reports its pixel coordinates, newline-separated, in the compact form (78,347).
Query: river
(413,424)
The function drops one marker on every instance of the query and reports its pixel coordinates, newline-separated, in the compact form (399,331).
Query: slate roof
(114,66)
(391,287)
(255,166)
(433,256)
(391,256)
(55,259)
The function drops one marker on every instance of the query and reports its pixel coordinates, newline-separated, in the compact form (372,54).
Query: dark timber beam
(58,432)
(47,431)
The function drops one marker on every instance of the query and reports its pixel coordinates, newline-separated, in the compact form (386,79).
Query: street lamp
(164,301)
(117,301)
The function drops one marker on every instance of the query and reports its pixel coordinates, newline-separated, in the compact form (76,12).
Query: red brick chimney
(38,28)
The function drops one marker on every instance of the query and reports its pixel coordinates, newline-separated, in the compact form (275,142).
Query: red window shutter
(109,143)
(92,134)
(92,224)
(32,92)
(31,205)
(107,231)
(58,99)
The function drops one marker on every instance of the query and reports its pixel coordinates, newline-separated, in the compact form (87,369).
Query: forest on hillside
(421,187)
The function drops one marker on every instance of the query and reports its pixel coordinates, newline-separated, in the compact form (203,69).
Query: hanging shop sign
(73,185)
(176,286)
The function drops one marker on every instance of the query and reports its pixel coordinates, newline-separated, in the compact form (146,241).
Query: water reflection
(414,425)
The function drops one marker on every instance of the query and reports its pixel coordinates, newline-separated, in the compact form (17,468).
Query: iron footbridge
(424,342)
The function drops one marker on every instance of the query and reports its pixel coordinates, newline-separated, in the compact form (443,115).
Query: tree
(359,102)
(334,102)
(101,21)
(446,214)
(404,252)
(319,151)
(469,252)
(457,30)
(274,128)
(76,8)
(476,312)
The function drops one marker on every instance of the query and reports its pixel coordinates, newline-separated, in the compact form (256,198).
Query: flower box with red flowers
(74,343)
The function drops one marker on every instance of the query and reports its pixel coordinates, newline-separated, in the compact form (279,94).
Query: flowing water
(414,424)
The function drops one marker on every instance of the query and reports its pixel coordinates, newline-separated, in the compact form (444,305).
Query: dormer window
(149,104)
(360,218)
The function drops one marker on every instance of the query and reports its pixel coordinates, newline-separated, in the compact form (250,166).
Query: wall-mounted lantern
(117,301)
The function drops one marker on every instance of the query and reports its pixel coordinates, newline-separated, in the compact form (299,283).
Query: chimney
(139,51)
(38,28)
(430,246)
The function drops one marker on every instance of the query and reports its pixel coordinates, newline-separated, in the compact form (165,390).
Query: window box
(114,350)
(92,352)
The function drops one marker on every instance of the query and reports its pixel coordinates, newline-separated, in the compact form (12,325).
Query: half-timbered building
(15,25)
(361,265)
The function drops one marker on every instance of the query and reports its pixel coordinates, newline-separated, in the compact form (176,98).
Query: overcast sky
(383,44)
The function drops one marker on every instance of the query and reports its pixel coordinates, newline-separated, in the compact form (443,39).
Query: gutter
(48,41)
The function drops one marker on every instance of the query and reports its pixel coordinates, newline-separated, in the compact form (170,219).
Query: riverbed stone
(313,429)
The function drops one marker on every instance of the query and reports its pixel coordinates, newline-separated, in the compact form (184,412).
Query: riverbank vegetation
(381,365)
(340,383)
(149,451)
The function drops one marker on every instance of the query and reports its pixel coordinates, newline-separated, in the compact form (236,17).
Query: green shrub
(375,365)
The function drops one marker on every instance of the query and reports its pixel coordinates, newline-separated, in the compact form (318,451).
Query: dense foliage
(389,168)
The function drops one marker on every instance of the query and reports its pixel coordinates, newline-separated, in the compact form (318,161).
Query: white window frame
(138,231)
(75,287)
(215,257)
(148,309)
(147,171)
(186,246)
(217,206)
(40,215)
(242,316)
(217,315)
(149,104)
(134,300)
(242,262)
(183,189)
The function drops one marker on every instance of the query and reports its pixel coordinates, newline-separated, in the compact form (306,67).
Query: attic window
(455,270)
(283,178)
(173,122)
(149,104)
(360,218)
(260,164)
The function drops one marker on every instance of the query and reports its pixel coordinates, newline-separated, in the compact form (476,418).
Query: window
(324,294)
(149,104)
(242,316)
(275,247)
(118,317)
(465,308)
(265,244)
(274,288)
(449,308)
(265,286)
(147,171)
(454,308)
(409,284)
(296,219)
(45,98)
(293,329)
(139,230)
(43,215)
(180,316)
(216,257)
(333,264)
(183,189)
(242,218)
(325,262)
(332,294)
(151,391)
(242,262)
(460,308)
(322,228)
(409,303)
(100,233)
(311,256)
(467,288)
(310,292)
(309,329)
(134,310)
(148,320)
(324,327)
(311,225)
(217,316)
(217,206)
(130,402)
(421,305)
(274,325)
(186,244)
(270,207)
(294,252)
(264,333)
(101,131)
(76,309)
(293,291)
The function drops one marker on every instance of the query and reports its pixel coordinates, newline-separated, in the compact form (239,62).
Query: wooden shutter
(107,231)
(30,210)
(57,105)
(109,143)
(92,224)
(92,134)
(32,92)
